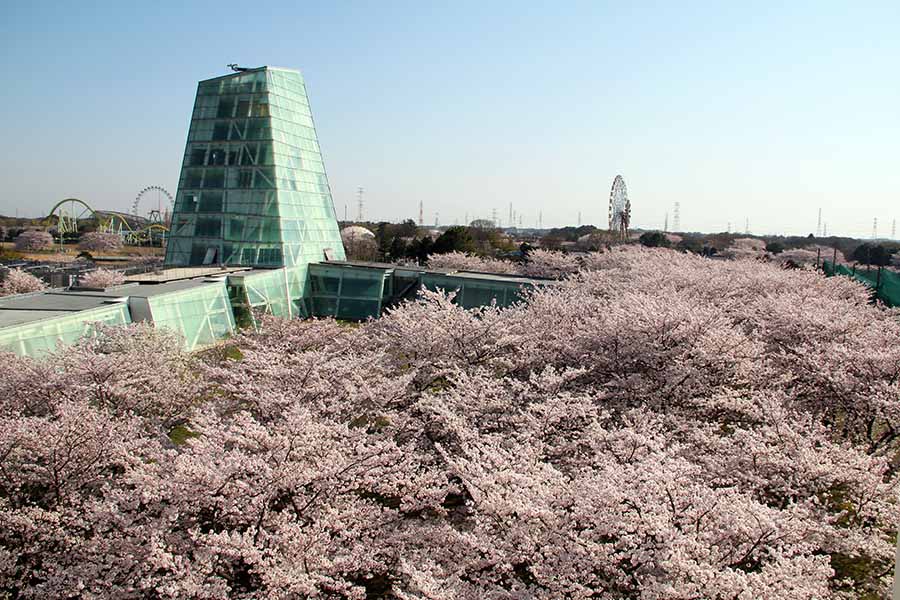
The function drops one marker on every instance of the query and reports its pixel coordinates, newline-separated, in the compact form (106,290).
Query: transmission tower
(540,220)
(676,218)
(510,215)
(875,228)
(466,220)
(729,226)
(819,225)
(747,225)
(359,203)
(579,218)
(894,229)
(435,219)
(824,229)
(421,213)
(494,217)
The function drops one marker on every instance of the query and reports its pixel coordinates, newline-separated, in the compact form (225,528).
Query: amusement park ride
(619,208)
(134,229)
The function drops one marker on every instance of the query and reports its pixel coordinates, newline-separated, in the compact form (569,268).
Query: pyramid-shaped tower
(253,189)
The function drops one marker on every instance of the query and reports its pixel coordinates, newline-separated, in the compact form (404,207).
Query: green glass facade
(39,337)
(201,315)
(253,189)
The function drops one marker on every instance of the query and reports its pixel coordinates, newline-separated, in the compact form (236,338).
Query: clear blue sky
(760,111)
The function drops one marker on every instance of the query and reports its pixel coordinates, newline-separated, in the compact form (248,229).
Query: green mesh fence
(884,282)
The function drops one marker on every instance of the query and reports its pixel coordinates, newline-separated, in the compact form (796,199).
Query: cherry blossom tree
(654,425)
(549,263)
(31,240)
(18,281)
(101,278)
(98,241)
(466,262)
(746,248)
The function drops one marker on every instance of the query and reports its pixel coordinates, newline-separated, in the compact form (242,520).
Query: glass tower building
(253,190)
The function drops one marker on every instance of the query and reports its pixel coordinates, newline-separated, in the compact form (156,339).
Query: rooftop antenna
(819,225)
(676,218)
(234,67)
(421,214)
(359,203)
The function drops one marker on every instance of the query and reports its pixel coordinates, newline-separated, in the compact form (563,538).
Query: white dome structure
(355,233)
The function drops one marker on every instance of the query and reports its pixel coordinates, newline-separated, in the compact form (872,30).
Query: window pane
(215,178)
(211,202)
(226,105)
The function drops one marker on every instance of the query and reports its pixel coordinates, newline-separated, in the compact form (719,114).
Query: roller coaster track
(66,214)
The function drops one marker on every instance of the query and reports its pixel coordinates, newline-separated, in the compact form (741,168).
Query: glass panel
(211,202)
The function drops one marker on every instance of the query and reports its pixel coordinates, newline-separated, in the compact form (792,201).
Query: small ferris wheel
(159,198)
(619,208)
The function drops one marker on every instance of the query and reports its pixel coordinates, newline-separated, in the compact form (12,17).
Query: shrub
(32,240)
(98,241)
(101,278)
(20,282)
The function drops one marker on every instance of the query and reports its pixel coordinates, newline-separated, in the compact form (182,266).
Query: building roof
(180,273)
(26,308)
(250,70)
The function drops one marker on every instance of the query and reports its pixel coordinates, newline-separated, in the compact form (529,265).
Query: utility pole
(421,213)
(359,203)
